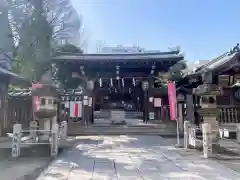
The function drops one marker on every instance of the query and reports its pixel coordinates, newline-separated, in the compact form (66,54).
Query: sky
(204,29)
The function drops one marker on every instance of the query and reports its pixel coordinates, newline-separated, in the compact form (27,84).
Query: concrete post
(192,136)
(63,133)
(207,140)
(16,140)
(47,126)
(33,132)
(238,132)
(54,141)
(186,134)
(64,129)
(54,121)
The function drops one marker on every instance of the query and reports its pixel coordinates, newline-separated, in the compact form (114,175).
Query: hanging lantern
(82,70)
(122,82)
(134,82)
(100,82)
(90,85)
(129,90)
(117,72)
(111,82)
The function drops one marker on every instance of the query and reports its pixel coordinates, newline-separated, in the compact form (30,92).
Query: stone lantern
(208,106)
(45,105)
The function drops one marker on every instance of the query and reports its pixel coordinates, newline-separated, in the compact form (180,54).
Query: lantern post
(145,86)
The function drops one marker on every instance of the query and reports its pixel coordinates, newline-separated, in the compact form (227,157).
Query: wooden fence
(229,115)
(19,109)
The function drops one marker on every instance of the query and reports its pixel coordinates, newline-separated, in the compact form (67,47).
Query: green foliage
(175,72)
(70,48)
(64,76)
(36,36)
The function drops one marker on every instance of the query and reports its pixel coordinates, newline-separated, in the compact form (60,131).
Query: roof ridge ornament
(235,49)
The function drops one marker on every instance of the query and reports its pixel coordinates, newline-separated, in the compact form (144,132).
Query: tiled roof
(122,56)
(28,92)
(216,63)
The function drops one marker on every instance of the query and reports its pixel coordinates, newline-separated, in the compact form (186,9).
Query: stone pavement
(27,167)
(133,158)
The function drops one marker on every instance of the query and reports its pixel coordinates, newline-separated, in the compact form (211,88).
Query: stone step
(129,126)
(122,133)
(119,130)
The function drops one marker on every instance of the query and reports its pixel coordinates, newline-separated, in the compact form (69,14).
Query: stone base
(214,126)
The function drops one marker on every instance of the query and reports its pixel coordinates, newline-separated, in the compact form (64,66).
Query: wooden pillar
(238,133)
(180,116)
(145,106)
(190,108)
(4,121)
(90,108)
(151,110)
(145,87)
(85,110)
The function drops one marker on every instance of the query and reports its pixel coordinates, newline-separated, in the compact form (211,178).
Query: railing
(192,140)
(128,114)
(102,114)
(228,115)
(53,137)
(133,115)
(19,111)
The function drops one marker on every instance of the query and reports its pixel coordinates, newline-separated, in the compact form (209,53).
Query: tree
(175,72)
(6,41)
(64,77)
(69,48)
(38,27)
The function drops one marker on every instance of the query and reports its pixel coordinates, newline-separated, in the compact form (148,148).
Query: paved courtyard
(133,158)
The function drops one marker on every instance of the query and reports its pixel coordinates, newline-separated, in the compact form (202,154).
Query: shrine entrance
(117,104)
(117,88)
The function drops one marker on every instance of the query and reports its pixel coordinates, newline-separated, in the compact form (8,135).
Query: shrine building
(127,82)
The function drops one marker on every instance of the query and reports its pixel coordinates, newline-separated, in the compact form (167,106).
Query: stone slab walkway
(133,158)
(28,167)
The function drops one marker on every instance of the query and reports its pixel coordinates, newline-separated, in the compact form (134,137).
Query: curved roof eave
(215,64)
(111,57)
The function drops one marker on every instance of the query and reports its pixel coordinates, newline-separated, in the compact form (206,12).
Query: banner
(172,100)
(35,102)
(76,109)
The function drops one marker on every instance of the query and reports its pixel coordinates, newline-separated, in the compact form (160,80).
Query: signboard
(157,102)
(172,100)
(151,115)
